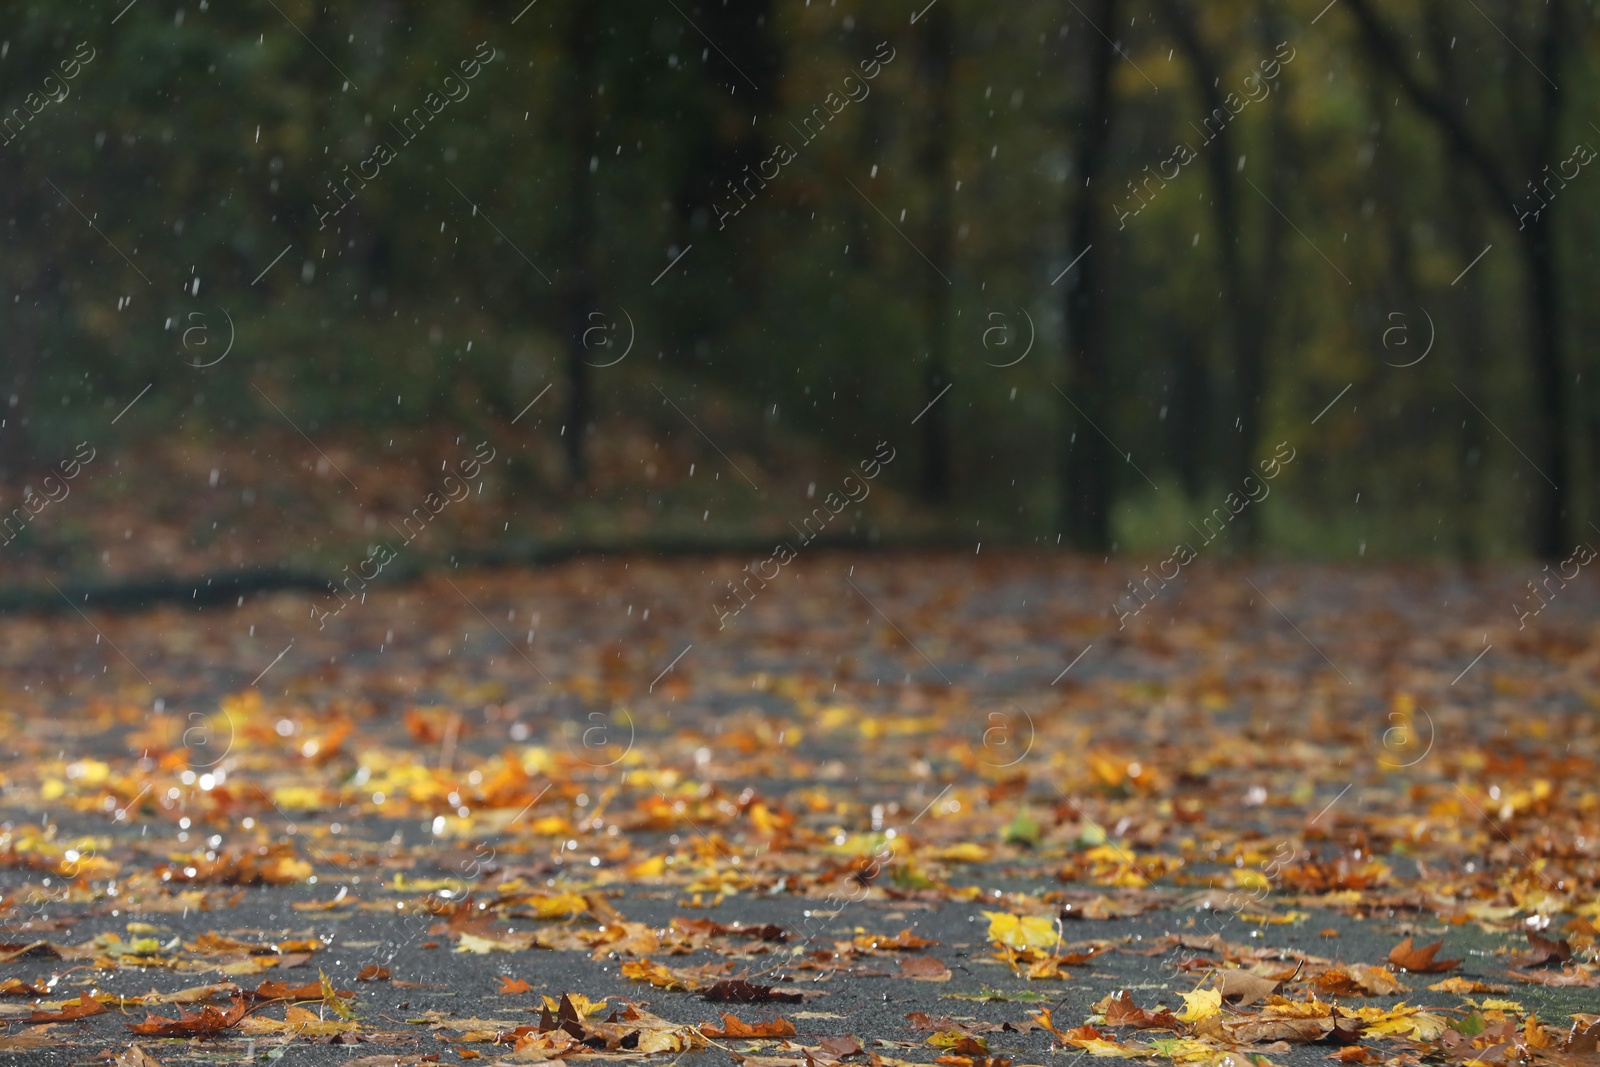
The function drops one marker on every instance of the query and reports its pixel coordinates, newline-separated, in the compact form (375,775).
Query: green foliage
(201,139)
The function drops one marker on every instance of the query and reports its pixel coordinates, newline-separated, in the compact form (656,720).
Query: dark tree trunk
(578,287)
(1550,391)
(1535,244)
(727,145)
(934,63)
(1191,406)
(16,446)
(1469,297)
(1248,298)
(1086,456)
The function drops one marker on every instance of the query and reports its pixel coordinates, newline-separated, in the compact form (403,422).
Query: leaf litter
(1203,832)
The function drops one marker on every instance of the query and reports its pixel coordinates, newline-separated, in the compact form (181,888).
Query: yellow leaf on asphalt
(1021,931)
(1200,1005)
(1251,878)
(654,973)
(585,1006)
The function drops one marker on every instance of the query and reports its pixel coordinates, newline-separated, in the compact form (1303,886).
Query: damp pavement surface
(513,777)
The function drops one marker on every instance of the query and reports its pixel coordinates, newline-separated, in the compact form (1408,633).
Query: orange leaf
(1419,960)
(373,973)
(85,1007)
(16,987)
(733,1027)
(509,985)
(271,990)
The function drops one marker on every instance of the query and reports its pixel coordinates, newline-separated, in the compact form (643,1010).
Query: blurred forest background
(1384,208)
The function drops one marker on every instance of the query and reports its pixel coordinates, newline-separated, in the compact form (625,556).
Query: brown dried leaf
(1122,1011)
(36,1038)
(924,969)
(207,1022)
(741,991)
(1242,987)
(1572,975)
(35,950)
(1544,951)
(136,1057)
(840,1047)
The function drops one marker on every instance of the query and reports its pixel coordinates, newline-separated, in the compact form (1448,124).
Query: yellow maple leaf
(654,867)
(557,905)
(682,1040)
(1402,1021)
(1250,878)
(1200,1005)
(1099,1046)
(654,973)
(1021,931)
(965,852)
(299,798)
(330,997)
(585,1006)
(550,826)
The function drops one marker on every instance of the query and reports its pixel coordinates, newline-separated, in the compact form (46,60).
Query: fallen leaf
(1571,975)
(510,986)
(1358,980)
(924,969)
(1457,984)
(580,1005)
(16,987)
(737,989)
(37,1038)
(1544,951)
(658,975)
(840,1047)
(1420,960)
(36,950)
(207,1022)
(959,1042)
(273,990)
(1242,987)
(136,1057)
(81,1008)
(373,973)
(1200,1005)
(1120,1010)
(1258,1030)
(732,1026)
(1021,931)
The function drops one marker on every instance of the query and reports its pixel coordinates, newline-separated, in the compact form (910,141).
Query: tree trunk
(1468,235)
(726,145)
(1086,456)
(1243,322)
(578,288)
(1191,408)
(934,71)
(1549,448)
(1535,241)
